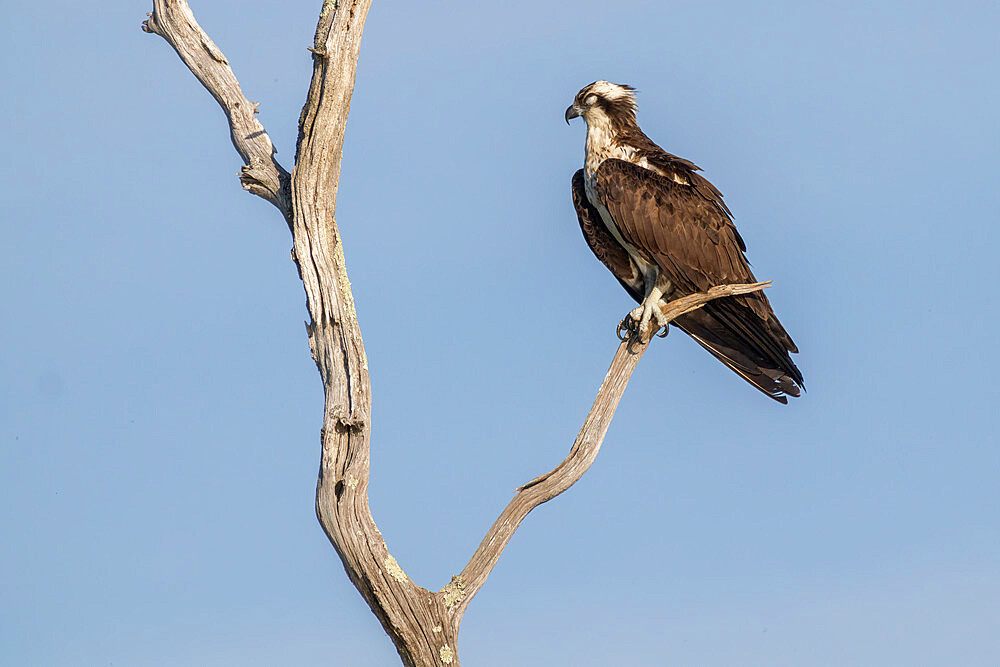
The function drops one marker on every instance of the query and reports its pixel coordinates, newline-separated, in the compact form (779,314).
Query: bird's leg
(649,310)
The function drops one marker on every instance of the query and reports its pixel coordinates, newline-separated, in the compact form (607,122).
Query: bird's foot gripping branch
(422,623)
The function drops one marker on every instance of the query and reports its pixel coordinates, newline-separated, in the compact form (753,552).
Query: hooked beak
(572,112)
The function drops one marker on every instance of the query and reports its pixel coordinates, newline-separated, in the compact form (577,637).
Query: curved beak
(572,112)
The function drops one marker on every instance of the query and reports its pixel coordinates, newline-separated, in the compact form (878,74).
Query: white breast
(600,147)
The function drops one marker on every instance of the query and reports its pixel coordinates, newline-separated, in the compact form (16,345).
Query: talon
(663,334)
(627,328)
(623,331)
(628,332)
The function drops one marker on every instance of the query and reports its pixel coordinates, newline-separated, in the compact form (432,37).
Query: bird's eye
(590,100)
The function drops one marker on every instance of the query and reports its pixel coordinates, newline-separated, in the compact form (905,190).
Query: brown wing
(683,229)
(672,226)
(603,244)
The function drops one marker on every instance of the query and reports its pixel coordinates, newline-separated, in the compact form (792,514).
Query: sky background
(159,412)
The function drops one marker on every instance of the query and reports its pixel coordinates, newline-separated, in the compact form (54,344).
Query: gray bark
(423,624)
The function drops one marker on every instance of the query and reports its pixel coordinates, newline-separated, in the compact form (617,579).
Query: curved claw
(637,341)
(628,326)
(624,330)
(663,334)
(628,332)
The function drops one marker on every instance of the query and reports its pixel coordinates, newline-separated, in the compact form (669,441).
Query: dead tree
(423,624)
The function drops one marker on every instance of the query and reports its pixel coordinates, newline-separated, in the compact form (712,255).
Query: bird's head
(604,103)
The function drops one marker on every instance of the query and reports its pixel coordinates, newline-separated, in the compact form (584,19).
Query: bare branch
(417,620)
(422,624)
(584,450)
(261,174)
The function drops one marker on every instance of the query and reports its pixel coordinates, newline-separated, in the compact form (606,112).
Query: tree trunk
(423,624)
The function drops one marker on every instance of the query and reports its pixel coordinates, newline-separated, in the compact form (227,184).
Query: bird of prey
(663,231)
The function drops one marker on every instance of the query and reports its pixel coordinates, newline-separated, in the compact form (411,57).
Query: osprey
(663,231)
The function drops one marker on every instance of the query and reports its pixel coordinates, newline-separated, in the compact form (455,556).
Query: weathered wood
(409,613)
(423,624)
(584,449)
(261,173)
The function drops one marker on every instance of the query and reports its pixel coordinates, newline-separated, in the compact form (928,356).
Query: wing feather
(685,229)
(602,243)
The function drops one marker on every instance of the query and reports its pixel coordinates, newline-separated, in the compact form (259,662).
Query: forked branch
(423,624)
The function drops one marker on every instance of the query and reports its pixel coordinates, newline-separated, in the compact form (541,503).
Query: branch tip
(174,21)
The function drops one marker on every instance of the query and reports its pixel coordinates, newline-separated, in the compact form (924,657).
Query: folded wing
(677,220)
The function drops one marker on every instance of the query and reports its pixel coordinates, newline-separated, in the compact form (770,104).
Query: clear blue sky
(159,413)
